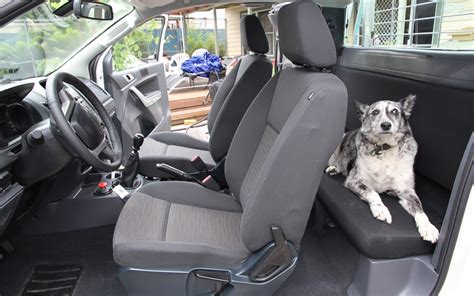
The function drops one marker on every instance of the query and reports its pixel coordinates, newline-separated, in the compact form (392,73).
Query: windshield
(37,42)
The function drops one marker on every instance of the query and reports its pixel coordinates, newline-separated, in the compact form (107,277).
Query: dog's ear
(407,104)
(360,108)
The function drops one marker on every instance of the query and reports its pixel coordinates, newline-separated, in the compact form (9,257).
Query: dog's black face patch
(385,121)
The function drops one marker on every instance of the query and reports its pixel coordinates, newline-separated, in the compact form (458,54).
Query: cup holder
(114,178)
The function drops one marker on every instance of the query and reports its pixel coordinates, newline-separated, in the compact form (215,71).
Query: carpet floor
(326,265)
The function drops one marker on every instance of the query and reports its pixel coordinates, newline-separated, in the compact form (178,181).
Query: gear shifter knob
(130,171)
(138,141)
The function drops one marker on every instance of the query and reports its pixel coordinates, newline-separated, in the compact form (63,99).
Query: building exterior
(233,13)
(442,24)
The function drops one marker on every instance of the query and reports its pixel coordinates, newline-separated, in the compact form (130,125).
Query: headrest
(305,38)
(252,34)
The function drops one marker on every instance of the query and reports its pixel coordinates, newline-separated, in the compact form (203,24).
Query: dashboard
(31,146)
(23,110)
(18,113)
(15,119)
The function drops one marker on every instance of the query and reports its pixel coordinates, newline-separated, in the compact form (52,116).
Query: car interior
(101,195)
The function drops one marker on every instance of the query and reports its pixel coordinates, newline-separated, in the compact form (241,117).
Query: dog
(378,158)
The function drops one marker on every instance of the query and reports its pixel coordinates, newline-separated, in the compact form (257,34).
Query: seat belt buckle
(210,183)
(199,164)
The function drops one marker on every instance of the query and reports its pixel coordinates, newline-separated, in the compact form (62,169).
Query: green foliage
(38,42)
(202,39)
(41,46)
(55,4)
(136,45)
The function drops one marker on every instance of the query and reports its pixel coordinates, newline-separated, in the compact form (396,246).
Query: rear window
(442,24)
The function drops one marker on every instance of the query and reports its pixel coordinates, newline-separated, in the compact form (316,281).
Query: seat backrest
(239,88)
(285,139)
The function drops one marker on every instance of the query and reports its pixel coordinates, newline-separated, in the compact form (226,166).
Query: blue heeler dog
(379,157)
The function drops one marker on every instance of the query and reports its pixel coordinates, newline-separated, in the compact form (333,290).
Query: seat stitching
(165,224)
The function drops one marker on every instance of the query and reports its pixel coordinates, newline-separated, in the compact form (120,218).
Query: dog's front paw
(380,212)
(331,170)
(428,231)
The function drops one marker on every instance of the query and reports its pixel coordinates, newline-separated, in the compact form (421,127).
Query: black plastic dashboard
(24,109)
(16,114)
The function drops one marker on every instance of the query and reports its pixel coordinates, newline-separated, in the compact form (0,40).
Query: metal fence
(413,24)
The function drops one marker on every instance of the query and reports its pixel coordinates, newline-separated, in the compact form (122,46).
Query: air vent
(16,149)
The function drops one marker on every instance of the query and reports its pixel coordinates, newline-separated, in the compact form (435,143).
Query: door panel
(143,98)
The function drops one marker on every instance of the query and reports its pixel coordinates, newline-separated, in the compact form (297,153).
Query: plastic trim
(436,67)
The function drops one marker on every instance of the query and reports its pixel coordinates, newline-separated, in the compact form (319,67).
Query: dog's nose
(386,126)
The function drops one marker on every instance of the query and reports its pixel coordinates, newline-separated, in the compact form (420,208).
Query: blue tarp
(202,65)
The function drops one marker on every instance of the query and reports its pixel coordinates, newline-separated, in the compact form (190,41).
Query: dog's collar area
(379,149)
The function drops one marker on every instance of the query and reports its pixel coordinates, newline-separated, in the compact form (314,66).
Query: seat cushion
(179,224)
(377,239)
(173,148)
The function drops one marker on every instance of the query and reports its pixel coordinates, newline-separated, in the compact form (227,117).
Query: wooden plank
(189,94)
(180,104)
(187,98)
(179,116)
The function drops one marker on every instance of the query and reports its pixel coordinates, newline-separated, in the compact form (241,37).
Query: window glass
(438,24)
(139,46)
(55,4)
(38,42)
(268,28)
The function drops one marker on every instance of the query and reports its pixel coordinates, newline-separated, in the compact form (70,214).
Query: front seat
(178,238)
(233,98)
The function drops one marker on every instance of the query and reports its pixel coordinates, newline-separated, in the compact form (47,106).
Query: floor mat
(89,248)
(325,266)
(53,280)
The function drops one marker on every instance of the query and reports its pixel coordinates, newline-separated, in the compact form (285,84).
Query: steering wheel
(83,122)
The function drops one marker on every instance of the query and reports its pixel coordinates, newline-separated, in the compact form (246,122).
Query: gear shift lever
(131,167)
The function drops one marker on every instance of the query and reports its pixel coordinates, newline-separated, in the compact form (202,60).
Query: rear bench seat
(442,123)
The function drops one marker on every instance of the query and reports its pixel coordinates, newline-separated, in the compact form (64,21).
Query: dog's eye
(375,112)
(395,112)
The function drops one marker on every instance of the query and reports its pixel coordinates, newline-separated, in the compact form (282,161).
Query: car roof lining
(164,5)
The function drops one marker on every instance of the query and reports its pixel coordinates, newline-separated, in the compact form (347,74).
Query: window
(38,42)
(268,28)
(438,24)
(139,46)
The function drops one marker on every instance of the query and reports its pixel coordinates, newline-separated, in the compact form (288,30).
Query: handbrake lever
(176,173)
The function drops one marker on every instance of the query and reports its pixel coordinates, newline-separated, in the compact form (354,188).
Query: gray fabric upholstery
(273,168)
(180,139)
(154,151)
(252,34)
(312,115)
(305,38)
(153,232)
(194,195)
(254,72)
(232,99)
(221,96)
